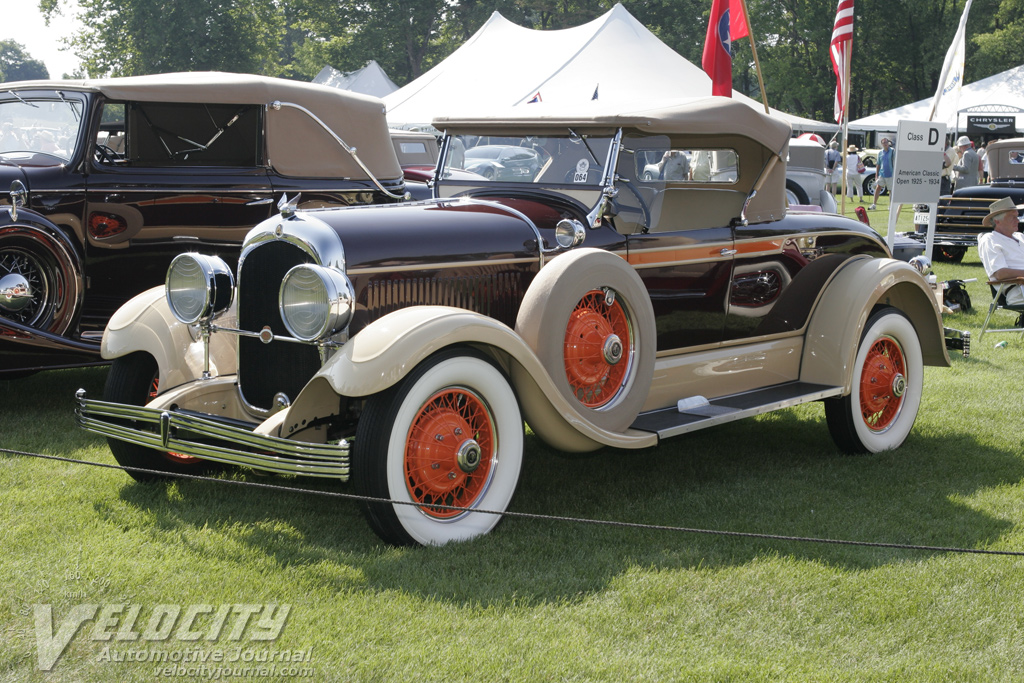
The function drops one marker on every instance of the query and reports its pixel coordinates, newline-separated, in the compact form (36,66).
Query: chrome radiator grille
(267,369)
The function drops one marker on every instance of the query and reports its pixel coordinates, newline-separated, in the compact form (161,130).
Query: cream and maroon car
(401,348)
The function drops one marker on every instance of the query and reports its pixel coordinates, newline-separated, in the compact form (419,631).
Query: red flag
(717,59)
(842,43)
(737,20)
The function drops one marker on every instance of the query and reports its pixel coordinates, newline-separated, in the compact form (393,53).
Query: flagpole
(757,62)
(848,57)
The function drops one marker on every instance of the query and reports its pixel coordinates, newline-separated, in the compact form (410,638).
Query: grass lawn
(541,600)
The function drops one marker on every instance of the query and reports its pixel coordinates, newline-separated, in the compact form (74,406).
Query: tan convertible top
(296,145)
(699,116)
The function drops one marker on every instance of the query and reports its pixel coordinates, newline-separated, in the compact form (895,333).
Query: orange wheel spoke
(595,372)
(882,384)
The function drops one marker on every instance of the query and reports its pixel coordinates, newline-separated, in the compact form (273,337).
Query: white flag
(947,95)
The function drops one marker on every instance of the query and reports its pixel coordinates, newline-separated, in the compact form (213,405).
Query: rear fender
(838,320)
(145,323)
(384,352)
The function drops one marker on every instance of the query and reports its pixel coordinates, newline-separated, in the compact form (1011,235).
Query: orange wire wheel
(449,452)
(598,348)
(883,383)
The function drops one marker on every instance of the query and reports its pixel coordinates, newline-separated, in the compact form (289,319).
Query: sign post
(916,177)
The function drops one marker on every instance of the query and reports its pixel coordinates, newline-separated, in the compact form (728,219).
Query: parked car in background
(959,216)
(503,162)
(806,177)
(417,154)
(106,181)
(401,347)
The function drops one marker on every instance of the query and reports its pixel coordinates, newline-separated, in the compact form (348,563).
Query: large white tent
(612,59)
(370,80)
(1001,94)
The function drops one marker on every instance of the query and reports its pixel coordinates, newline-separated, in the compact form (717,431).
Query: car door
(189,178)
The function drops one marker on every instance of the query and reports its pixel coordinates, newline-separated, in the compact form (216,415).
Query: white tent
(370,80)
(1002,94)
(612,59)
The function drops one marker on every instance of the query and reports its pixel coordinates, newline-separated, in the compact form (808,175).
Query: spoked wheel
(880,410)
(589,318)
(38,278)
(134,380)
(450,434)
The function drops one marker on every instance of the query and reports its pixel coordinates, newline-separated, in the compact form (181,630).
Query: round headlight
(198,287)
(316,302)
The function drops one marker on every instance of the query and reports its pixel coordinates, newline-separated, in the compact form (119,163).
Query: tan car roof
(999,158)
(296,145)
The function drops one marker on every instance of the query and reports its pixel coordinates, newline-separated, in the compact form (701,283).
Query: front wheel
(134,380)
(885,396)
(42,279)
(450,434)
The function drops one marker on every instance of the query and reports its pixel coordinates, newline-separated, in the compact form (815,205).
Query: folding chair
(999,289)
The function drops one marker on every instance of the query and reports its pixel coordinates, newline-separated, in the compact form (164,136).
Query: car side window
(183,134)
(687,166)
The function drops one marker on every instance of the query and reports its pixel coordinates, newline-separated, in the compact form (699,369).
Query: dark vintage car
(959,216)
(400,348)
(110,179)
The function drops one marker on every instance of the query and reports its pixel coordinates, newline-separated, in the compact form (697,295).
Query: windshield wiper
(72,106)
(577,137)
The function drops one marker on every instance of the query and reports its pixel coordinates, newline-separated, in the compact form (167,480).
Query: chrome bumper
(201,437)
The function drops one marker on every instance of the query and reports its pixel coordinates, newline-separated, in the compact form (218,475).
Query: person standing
(883,170)
(967,169)
(834,167)
(853,170)
(948,159)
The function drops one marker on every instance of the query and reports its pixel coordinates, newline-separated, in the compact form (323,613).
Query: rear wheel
(134,380)
(450,434)
(795,194)
(885,395)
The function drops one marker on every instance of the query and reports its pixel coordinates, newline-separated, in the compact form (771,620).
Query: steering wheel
(105,155)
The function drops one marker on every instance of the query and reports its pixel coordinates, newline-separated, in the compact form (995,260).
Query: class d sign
(917,176)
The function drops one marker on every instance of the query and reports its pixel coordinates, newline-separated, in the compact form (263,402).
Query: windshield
(567,159)
(39,123)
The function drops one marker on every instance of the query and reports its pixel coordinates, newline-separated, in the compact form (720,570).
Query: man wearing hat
(883,170)
(1002,250)
(969,166)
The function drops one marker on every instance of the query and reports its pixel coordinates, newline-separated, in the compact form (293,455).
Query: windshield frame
(55,130)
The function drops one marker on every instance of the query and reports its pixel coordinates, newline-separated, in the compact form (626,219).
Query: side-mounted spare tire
(588,317)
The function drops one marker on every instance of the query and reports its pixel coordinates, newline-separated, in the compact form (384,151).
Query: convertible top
(296,144)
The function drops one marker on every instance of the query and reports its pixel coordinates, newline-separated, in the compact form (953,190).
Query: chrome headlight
(316,302)
(198,287)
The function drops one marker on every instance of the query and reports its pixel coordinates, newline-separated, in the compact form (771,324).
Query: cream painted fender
(145,323)
(389,348)
(838,319)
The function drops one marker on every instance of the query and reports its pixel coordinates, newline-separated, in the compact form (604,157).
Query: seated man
(1002,250)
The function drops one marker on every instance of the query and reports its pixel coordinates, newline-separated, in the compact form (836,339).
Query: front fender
(384,352)
(841,313)
(145,323)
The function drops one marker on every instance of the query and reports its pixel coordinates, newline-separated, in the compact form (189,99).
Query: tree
(999,45)
(17,65)
(133,37)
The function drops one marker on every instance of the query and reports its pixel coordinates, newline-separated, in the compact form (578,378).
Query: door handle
(728,252)
(260,202)
(113,198)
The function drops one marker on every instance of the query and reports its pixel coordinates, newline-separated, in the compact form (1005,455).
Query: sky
(23,23)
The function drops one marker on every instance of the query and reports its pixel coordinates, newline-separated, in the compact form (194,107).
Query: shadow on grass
(779,475)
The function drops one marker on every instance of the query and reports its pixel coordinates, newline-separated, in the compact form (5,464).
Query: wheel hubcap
(883,384)
(449,452)
(15,293)
(597,339)
(23,286)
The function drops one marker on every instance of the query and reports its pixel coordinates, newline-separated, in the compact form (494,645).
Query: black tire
(869,186)
(798,192)
(469,456)
(566,319)
(889,361)
(49,268)
(948,254)
(133,380)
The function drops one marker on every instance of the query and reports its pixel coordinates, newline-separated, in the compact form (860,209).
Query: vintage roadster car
(958,216)
(401,347)
(111,179)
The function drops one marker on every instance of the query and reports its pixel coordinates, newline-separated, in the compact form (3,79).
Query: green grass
(542,600)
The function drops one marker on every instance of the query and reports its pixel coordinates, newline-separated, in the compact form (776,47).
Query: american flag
(842,42)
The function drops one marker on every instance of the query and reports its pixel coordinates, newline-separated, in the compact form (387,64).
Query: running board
(669,422)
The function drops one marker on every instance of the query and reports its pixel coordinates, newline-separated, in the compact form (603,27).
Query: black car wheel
(948,253)
(40,279)
(796,194)
(134,380)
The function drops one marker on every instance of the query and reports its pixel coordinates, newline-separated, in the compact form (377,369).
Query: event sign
(917,176)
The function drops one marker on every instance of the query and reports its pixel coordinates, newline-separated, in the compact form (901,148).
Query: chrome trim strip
(440,266)
(289,456)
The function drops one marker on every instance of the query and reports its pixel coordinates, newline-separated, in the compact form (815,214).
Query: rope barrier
(529,515)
